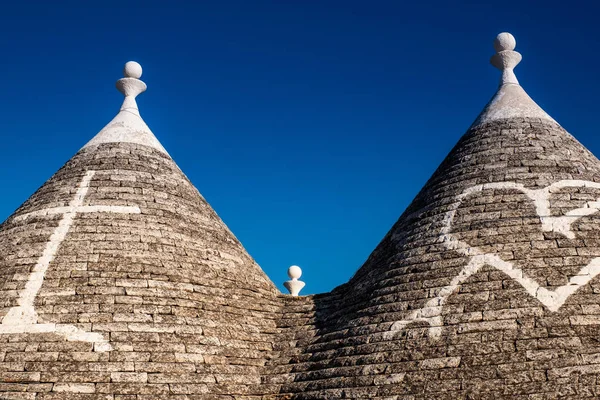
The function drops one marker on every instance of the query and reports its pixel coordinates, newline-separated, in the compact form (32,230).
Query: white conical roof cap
(511,100)
(128,126)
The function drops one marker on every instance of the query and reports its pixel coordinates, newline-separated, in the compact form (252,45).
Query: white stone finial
(131,85)
(506,59)
(128,126)
(510,100)
(294,286)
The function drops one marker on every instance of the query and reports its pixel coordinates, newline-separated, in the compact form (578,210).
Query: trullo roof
(117,278)
(120,282)
(486,287)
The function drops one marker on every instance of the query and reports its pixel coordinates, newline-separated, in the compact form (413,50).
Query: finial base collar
(294,286)
(131,86)
(506,61)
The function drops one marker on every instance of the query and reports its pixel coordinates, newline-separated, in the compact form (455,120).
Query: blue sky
(308,125)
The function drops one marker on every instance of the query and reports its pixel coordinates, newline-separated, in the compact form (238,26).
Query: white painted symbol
(431,312)
(23,318)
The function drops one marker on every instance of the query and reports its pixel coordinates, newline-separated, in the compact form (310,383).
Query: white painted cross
(23,318)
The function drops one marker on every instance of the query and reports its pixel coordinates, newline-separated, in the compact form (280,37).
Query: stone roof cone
(486,287)
(118,281)
(118,278)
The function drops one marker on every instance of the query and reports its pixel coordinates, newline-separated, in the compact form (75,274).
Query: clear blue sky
(308,125)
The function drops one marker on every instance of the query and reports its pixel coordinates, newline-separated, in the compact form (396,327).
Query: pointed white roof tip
(128,126)
(510,101)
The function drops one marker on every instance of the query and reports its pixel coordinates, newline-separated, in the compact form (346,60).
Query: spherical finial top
(294,272)
(505,41)
(294,285)
(132,70)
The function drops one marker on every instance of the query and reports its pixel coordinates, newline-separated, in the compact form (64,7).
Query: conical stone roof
(485,288)
(118,279)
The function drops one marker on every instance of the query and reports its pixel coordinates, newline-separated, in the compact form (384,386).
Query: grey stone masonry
(118,281)
(147,294)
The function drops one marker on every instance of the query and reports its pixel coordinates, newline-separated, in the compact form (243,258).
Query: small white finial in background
(131,86)
(294,285)
(506,59)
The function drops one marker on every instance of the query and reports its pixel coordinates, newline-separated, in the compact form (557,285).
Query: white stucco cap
(511,100)
(128,126)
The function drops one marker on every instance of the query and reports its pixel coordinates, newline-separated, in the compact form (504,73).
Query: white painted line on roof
(23,318)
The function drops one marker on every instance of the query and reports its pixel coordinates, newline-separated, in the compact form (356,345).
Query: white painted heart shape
(562,224)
